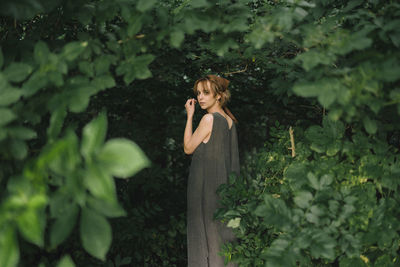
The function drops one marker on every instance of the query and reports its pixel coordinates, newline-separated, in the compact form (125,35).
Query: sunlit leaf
(93,136)
(66,261)
(122,158)
(95,232)
(9,251)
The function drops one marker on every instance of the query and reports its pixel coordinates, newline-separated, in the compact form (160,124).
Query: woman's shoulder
(207,120)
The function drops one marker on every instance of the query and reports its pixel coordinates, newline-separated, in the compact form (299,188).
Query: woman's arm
(192,141)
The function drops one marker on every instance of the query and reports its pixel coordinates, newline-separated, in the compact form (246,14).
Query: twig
(292,142)
(238,71)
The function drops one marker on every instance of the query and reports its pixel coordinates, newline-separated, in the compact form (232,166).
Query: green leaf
(9,251)
(370,125)
(6,116)
(56,123)
(122,158)
(93,136)
(144,5)
(36,82)
(134,26)
(313,58)
(102,64)
(31,225)
(103,82)
(234,223)
(73,49)
(140,66)
(100,183)
(17,72)
(41,52)
(18,149)
(64,224)
(106,208)
(66,261)
(9,96)
(80,97)
(177,38)
(95,233)
(307,89)
(86,68)
(21,132)
(313,181)
(303,199)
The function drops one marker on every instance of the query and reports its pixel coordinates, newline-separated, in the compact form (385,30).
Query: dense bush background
(80,79)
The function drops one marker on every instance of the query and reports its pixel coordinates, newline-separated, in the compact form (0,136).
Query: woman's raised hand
(190,103)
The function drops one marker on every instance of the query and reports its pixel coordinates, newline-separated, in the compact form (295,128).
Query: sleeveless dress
(212,162)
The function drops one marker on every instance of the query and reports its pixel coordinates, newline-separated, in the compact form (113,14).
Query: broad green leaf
(86,68)
(73,49)
(106,208)
(80,97)
(17,72)
(63,225)
(303,199)
(36,82)
(6,116)
(9,96)
(100,183)
(66,261)
(307,89)
(103,82)
(296,174)
(326,180)
(93,136)
(21,132)
(323,246)
(9,251)
(18,149)
(135,25)
(140,66)
(177,38)
(31,224)
(370,125)
(144,5)
(314,182)
(95,232)
(56,122)
(102,64)
(234,223)
(313,58)
(41,52)
(122,158)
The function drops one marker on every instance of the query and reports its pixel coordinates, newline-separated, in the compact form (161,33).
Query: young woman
(215,152)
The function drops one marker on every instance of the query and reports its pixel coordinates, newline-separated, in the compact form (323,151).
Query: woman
(215,155)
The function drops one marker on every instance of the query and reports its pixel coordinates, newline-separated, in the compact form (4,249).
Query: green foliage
(299,62)
(316,208)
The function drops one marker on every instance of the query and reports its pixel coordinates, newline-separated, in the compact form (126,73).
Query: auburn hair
(219,86)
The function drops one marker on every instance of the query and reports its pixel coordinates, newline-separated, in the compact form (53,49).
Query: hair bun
(222,82)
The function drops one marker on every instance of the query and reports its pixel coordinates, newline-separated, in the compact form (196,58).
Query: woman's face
(205,95)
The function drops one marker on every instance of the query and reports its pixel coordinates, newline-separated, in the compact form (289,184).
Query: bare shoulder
(207,120)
